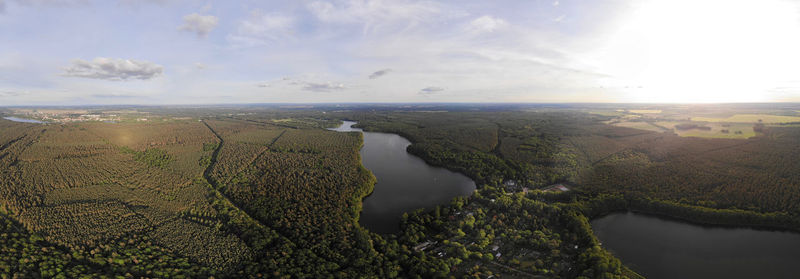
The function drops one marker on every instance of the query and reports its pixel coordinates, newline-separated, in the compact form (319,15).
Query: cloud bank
(113,69)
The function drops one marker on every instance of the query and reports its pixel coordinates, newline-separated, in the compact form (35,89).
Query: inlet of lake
(658,248)
(405,182)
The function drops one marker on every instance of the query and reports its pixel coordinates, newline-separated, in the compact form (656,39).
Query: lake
(665,248)
(16,119)
(405,182)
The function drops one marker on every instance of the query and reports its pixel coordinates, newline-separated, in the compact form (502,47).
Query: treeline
(489,147)
(604,204)
(758,174)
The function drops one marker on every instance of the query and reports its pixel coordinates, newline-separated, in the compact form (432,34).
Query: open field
(722,131)
(717,130)
(711,130)
(751,118)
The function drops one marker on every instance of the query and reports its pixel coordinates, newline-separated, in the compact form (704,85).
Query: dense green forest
(271,193)
(756,175)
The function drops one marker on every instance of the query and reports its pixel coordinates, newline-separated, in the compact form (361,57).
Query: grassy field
(715,132)
(751,118)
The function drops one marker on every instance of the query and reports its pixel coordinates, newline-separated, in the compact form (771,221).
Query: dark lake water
(664,248)
(405,182)
(17,119)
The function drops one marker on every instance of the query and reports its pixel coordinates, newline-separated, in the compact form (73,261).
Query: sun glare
(705,51)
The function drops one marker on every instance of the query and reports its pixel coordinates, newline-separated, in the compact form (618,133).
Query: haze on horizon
(76,52)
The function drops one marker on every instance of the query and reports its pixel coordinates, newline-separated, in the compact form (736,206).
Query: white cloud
(376,15)
(487,24)
(199,24)
(113,69)
(262,29)
(322,86)
(380,73)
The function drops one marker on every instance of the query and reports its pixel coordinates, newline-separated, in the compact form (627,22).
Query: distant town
(79,115)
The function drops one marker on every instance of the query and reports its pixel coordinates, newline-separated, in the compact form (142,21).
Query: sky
(156,52)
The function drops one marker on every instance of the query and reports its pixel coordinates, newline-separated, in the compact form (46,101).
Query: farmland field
(751,118)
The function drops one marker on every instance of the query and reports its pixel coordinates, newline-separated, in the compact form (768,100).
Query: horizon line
(405,103)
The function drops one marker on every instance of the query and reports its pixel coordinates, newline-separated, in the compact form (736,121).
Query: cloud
(113,69)
(262,85)
(323,87)
(199,24)
(379,73)
(115,96)
(262,29)
(376,15)
(487,24)
(2,6)
(430,90)
(42,3)
(134,3)
(9,93)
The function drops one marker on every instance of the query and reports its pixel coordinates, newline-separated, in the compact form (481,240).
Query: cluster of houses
(512,186)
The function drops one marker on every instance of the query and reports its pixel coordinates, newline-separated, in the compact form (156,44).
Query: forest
(540,148)
(269,192)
